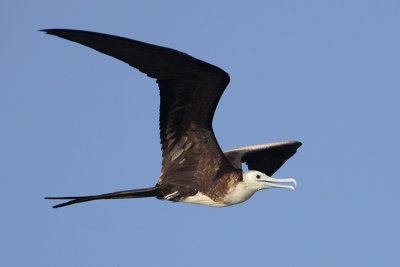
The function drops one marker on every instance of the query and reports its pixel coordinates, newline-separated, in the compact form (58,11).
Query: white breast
(202,199)
(236,195)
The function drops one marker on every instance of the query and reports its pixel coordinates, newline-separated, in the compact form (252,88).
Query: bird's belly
(202,199)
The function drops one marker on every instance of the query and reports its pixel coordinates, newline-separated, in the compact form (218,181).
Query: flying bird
(194,168)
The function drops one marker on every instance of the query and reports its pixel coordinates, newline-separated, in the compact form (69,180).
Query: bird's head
(256,181)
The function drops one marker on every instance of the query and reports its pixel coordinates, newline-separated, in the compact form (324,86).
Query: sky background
(77,122)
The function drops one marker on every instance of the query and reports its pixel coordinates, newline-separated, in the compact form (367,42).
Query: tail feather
(136,193)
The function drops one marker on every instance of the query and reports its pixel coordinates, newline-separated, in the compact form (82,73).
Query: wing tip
(49,31)
(297,143)
(63,33)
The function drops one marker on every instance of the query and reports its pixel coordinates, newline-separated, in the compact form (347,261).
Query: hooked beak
(270,182)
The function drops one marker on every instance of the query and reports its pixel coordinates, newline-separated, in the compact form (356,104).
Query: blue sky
(76,122)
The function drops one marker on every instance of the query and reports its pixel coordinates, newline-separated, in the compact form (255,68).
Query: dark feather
(190,90)
(266,158)
(136,193)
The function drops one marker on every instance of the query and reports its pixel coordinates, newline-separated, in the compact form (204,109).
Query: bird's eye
(258,176)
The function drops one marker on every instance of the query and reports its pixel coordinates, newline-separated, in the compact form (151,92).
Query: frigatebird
(194,168)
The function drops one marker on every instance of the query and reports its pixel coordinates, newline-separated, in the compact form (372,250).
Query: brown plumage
(190,90)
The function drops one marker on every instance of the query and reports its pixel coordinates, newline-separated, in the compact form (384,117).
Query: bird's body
(194,168)
(238,192)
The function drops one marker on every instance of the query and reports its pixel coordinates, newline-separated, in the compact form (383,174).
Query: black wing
(266,158)
(190,90)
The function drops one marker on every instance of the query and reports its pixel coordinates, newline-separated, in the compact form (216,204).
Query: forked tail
(136,193)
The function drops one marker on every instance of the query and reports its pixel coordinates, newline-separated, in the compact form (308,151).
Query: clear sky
(77,122)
